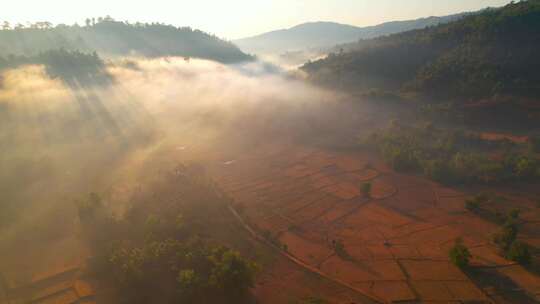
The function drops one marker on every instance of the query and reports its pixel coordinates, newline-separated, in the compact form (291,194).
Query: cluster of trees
(507,240)
(452,156)
(110,37)
(491,53)
(169,248)
(73,67)
(485,205)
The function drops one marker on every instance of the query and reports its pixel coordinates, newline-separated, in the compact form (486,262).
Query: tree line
(171,246)
(455,156)
(107,36)
(73,67)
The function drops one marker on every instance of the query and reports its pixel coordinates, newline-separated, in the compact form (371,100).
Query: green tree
(366,189)
(525,167)
(519,252)
(506,236)
(231,274)
(190,284)
(339,249)
(513,215)
(459,254)
(472,205)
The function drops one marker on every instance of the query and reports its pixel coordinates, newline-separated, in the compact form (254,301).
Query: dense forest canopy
(113,38)
(171,245)
(73,67)
(492,53)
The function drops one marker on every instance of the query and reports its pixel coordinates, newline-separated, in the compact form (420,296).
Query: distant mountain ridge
(327,34)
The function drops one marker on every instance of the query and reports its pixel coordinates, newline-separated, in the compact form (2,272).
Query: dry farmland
(396,239)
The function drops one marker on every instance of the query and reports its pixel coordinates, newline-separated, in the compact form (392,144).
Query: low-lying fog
(60,142)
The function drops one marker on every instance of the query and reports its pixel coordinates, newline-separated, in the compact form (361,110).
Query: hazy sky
(236,18)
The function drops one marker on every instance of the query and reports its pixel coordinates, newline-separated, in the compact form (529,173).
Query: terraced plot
(396,240)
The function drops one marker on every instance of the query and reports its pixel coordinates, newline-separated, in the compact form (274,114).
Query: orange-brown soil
(396,240)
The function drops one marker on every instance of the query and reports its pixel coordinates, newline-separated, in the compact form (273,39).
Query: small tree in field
(472,205)
(459,254)
(339,249)
(506,236)
(366,189)
(519,252)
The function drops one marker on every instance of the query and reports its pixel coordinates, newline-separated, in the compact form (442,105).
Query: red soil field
(396,240)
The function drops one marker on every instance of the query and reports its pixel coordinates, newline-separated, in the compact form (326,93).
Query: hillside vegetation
(455,156)
(113,38)
(487,57)
(171,246)
(72,67)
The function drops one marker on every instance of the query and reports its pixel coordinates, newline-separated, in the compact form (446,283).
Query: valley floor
(396,241)
(303,200)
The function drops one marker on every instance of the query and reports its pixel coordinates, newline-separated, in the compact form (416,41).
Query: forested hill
(113,38)
(482,57)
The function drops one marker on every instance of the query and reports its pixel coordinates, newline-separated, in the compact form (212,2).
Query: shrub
(519,252)
(459,254)
(506,236)
(472,205)
(513,215)
(339,249)
(525,167)
(366,189)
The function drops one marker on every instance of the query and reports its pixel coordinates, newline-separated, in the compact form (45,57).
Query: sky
(232,19)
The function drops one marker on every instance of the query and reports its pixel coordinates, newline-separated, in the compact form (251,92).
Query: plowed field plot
(395,240)
(340,210)
(313,211)
(274,224)
(292,283)
(307,251)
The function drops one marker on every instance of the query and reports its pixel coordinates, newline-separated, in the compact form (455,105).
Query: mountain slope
(303,36)
(112,38)
(328,34)
(487,55)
